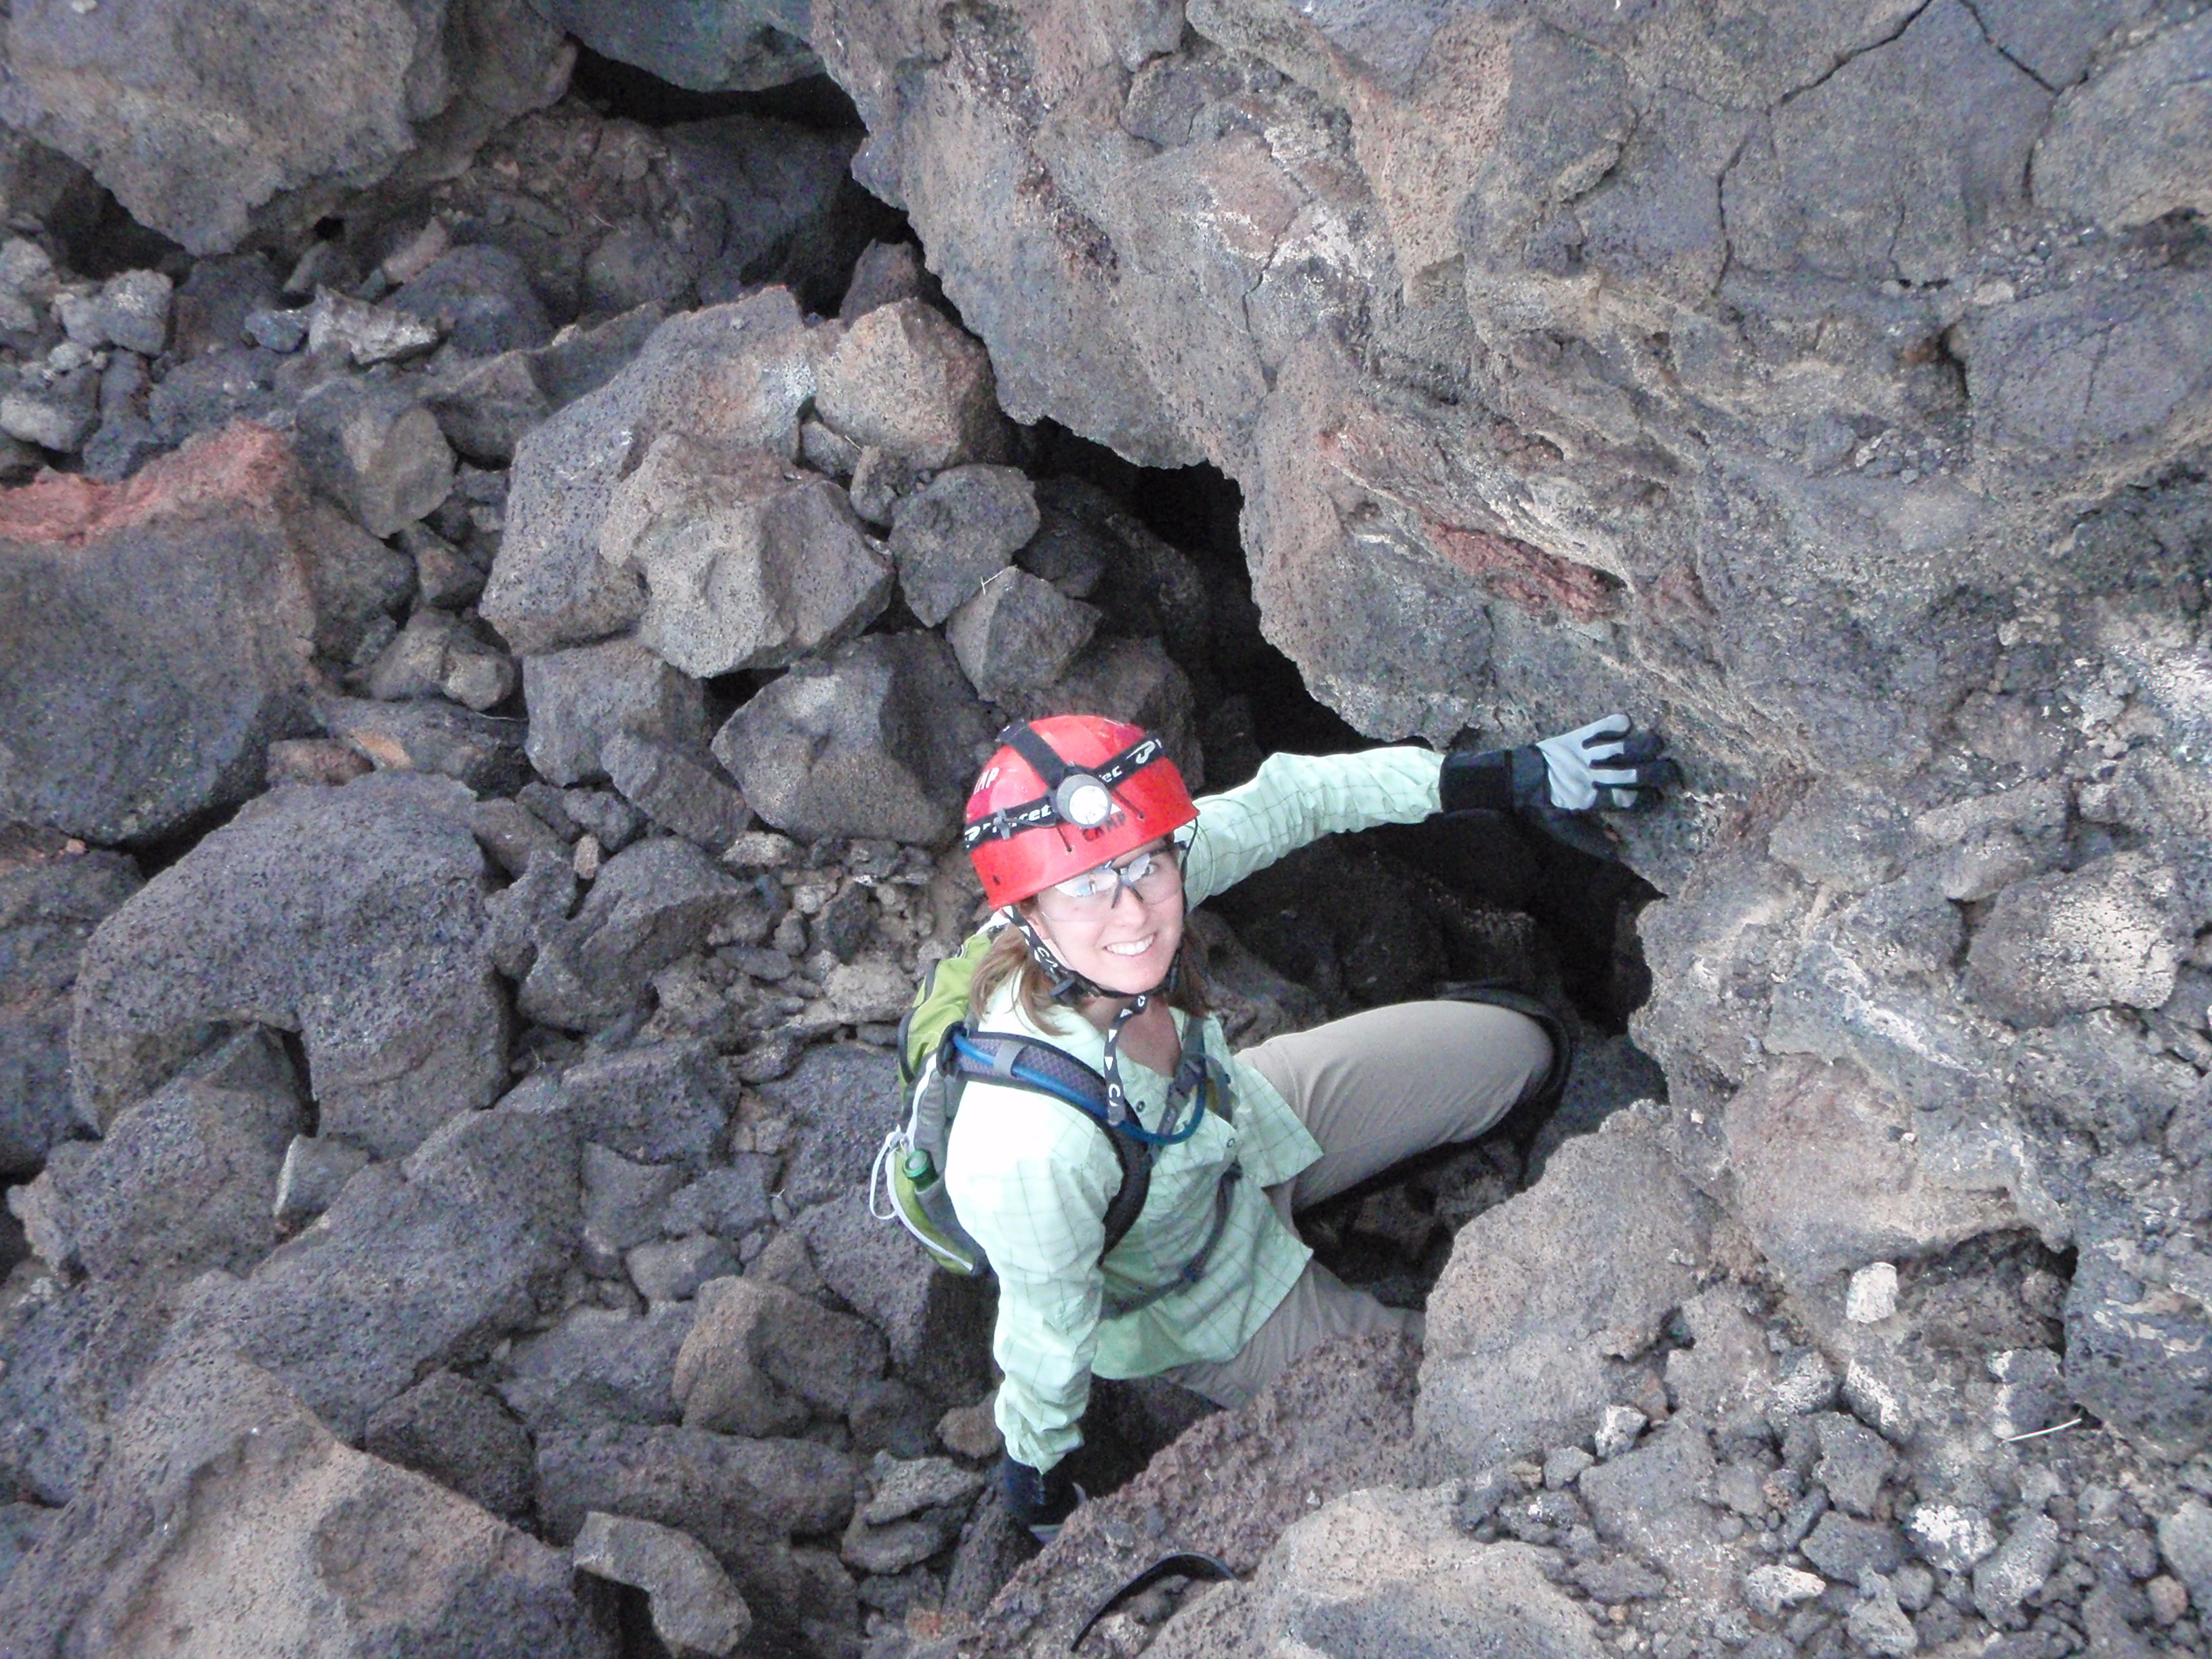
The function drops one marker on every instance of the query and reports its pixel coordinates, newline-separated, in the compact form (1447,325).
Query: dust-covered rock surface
(518,521)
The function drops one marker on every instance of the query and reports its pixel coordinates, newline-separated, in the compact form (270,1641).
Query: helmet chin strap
(1070,986)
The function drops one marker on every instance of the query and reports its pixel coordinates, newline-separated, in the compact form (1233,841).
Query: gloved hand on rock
(1039,1501)
(1550,785)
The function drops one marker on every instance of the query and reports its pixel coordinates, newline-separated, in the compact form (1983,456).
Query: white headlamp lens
(1084,802)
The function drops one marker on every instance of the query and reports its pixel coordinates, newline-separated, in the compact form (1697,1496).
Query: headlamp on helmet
(1064,794)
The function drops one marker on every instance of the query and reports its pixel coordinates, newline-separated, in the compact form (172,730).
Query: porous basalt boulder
(207,124)
(135,696)
(881,737)
(51,900)
(735,374)
(222,1502)
(353,916)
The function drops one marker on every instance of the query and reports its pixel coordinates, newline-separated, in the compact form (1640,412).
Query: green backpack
(939,1054)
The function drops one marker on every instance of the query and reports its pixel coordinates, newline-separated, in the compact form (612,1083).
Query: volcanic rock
(652,903)
(261,128)
(51,901)
(747,560)
(906,380)
(735,48)
(958,532)
(758,1355)
(687,796)
(696,1612)
(183,1180)
(736,375)
(377,449)
(579,698)
(224,1502)
(354,916)
(483,752)
(480,300)
(456,1431)
(420,1263)
(659,1103)
(1524,1319)
(135,696)
(1019,633)
(880,739)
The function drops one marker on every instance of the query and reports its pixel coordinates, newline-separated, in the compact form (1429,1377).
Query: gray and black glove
(1549,786)
(1039,1501)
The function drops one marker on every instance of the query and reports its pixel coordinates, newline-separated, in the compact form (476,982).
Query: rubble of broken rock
(501,613)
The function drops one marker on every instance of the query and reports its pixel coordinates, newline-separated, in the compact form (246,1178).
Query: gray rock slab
(835,1100)
(937,1326)
(480,299)
(598,1364)
(731,373)
(354,917)
(696,1612)
(727,1202)
(579,698)
(2138,1353)
(157,641)
(183,1180)
(686,795)
(673,1269)
(1018,632)
(1844,1548)
(2129,146)
(746,47)
(421,1263)
(454,1430)
(726,1491)
(376,449)
(749,560)
(1863,1196)
(1645,1501)
(660,1102)
(958,531)
(623,1203)
(430,735)
(652,903)
(132,311)
(881,738)
(1521,1320)
(2108,932)
(1387,1571)
(906,380)
(758,1355)
(223,1501)
(51,900)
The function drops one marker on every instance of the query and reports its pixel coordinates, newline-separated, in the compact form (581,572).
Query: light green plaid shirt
(1031,1178)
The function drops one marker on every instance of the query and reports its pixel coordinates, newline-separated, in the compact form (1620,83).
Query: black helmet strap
(1062,782)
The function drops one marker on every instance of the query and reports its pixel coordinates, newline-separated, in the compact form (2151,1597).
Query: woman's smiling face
(1119,926)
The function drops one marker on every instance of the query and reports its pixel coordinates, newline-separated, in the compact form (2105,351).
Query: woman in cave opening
(1091,850)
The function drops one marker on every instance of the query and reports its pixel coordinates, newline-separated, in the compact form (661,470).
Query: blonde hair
(1009,957)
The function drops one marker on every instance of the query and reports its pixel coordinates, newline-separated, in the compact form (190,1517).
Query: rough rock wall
(1828,383)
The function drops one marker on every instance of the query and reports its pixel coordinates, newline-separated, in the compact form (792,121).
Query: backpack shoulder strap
(991,1057)
(1128,1203)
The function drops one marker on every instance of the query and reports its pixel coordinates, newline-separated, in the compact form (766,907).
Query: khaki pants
(1374,1089)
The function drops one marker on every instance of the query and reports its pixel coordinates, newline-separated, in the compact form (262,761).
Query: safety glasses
(1152,876)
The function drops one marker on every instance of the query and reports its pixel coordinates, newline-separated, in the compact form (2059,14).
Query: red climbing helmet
(1065,794)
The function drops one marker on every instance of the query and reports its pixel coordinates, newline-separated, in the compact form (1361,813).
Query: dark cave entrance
(1366,920)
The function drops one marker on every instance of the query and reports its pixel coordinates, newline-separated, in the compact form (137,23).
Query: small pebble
(1873,1295)
(2168,1600)
(1564,1464)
